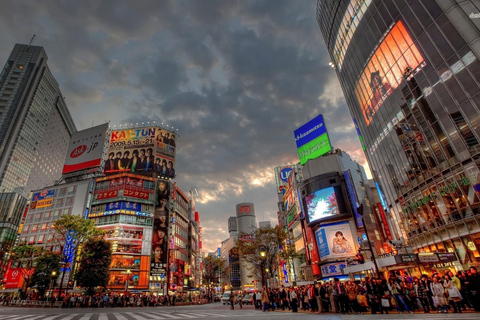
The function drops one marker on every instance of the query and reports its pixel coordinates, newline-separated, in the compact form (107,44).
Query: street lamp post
(52,285)
(263,254)
(126,282)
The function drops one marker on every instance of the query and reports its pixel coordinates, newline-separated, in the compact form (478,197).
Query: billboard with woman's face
(159,252)
(335,241)
(395,58)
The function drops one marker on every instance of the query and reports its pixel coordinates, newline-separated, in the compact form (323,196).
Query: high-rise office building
(410,72)
(35,124)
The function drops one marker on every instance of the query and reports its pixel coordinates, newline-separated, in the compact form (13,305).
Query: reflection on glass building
(410,72)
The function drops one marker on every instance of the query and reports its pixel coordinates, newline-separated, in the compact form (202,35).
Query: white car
(226,297)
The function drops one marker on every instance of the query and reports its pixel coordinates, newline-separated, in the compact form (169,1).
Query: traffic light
(360,258)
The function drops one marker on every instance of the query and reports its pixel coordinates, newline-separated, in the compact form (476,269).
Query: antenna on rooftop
(31,41)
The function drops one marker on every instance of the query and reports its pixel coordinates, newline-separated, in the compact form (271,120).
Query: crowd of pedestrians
(112,300)
(427,293)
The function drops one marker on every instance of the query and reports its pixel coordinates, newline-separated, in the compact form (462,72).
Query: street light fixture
(126,283)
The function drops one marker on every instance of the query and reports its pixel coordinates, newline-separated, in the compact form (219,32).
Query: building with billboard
(124,206)
(410,74)
(35,124)
(47,205)
(312,139)
(85,151)
(145,150)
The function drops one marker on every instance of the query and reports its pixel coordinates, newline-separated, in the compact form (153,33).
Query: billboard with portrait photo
(395,58)
(335,240)
(159,252)
(131,150)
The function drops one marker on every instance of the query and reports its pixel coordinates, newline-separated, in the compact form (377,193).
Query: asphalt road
(213,311)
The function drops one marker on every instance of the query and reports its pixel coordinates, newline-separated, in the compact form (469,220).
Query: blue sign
(284,173)
(309,131)
(322,244)
(124,205)
(381,196)
(353,197)
(364,236)
(218,253)
(43,195)
(68,251)
(285,272)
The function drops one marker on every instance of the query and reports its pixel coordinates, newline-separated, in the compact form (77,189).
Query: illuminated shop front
(411,78)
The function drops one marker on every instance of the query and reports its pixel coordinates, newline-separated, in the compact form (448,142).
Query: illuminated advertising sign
(395,58)
(68,250)
(332,269)
(335,241)
(42,199)
(85,149)
(141,150)
(13,278)
(383,217)
(312,250)
(281,176)
(312,140)
(289,194)
(321,204)
(159,253)
(353,197)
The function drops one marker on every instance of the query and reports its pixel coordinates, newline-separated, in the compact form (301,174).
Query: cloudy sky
(235,77)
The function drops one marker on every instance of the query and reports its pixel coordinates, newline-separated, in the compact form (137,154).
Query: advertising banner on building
(312,140)
(352,194)
(42,199)
(13,278)
(281,176)
(395,58)
(141,150)
(85,149)
(335,241)
(158,264)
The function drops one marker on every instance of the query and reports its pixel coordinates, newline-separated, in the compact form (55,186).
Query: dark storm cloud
(235,77)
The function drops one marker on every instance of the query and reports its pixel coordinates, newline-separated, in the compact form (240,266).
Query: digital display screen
(395,59)
(322,204)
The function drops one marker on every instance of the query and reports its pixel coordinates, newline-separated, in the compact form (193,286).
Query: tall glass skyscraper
(410,72)
(35,124)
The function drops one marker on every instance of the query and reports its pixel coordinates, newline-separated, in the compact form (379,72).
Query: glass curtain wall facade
(410,72)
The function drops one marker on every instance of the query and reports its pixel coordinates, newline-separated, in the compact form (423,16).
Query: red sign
(136,193)
(13,278)
(313,249)
(107,194)
(245,209)
(386,228)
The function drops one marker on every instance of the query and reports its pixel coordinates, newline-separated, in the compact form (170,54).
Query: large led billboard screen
(322,204)
(312,140)
(141,150)
(85,149)
(395,58)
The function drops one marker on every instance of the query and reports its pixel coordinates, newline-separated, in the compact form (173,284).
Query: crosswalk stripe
(164,315)
(205,314)
(86,316)
(102,316)
(137,316)
(120,316)
(185,315)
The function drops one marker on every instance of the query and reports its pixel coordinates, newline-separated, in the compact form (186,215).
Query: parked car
(226,297)
(248,299)
(217,297)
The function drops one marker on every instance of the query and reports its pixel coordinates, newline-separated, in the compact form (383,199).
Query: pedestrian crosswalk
(144,315)
(403,316)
